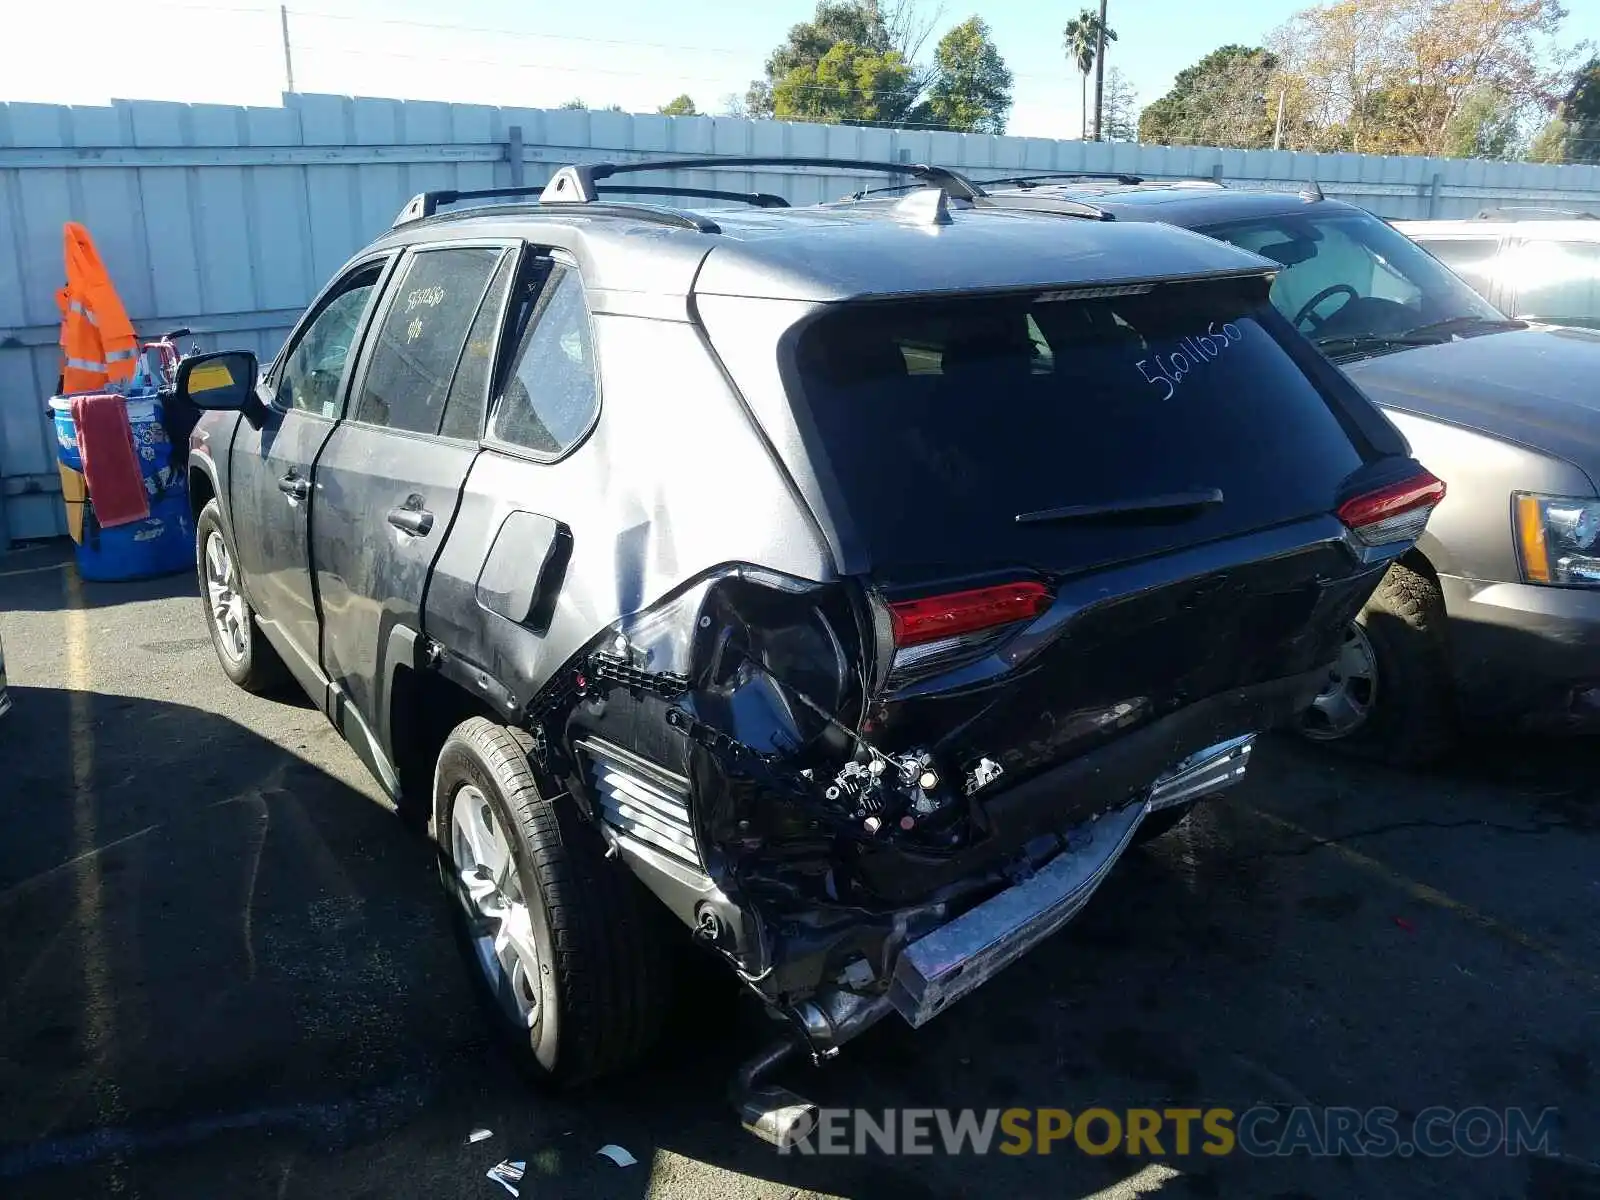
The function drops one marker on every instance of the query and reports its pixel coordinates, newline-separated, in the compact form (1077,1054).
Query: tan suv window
(1557,281)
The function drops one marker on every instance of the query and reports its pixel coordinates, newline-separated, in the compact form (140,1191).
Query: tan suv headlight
(1559,539)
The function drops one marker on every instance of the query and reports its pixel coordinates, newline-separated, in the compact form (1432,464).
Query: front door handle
(415,521)
(294,487)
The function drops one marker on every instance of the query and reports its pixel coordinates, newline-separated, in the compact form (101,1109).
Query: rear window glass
(941,421)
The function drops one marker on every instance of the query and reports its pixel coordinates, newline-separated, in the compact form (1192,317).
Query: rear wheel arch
(421,706)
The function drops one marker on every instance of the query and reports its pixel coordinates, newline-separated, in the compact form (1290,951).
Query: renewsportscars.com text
(1161,1132)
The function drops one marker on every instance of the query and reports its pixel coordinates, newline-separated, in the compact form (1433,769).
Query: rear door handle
(294,487)
(415,521)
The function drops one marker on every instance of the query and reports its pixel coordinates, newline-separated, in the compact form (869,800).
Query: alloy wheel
(498,915)
(228,612)
(1346,703)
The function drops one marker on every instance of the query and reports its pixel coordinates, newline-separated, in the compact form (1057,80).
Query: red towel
(110,463)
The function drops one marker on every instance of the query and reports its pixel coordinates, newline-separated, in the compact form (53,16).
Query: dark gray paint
(671,482)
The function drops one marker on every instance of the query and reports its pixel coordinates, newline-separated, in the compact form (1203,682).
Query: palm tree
(1081,39)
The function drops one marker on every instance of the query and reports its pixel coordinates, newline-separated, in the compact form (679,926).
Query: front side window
(1348,278)
(1471,258)
(423,336)
(552,394)
(314,366)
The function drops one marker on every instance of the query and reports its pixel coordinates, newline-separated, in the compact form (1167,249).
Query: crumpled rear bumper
(942,965)
(945,965)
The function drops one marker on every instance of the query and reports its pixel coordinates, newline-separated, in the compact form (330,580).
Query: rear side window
(469,393)
(552,393)
(942,421)
(423,337)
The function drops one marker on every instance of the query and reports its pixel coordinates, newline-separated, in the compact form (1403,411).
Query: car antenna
(1311,191)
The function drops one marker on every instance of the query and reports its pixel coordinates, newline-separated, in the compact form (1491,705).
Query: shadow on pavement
(36,581)
(223,973)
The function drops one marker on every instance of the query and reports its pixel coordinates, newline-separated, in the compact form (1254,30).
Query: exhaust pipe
(774,1114)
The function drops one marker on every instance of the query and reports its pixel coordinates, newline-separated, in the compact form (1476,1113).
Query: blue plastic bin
(162,543)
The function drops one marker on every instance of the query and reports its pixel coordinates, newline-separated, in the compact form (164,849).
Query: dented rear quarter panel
(672,481)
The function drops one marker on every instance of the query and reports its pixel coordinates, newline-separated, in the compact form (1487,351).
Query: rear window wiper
(1468,324)
(1176,505)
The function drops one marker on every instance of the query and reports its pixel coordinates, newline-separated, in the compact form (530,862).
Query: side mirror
(222,382)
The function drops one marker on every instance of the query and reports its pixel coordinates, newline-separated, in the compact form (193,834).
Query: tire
(595,1001)
(245,655)
(1158,824)
(1410,719)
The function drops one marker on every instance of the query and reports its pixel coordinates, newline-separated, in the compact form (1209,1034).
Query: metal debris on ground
(479,1135)
(507,1174)
(618,1155)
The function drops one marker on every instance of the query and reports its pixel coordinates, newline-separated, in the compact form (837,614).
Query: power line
(331,48)
(560,37)
(501,32)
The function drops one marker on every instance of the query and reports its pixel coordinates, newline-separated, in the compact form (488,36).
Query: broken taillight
(935,633)
(1397,512)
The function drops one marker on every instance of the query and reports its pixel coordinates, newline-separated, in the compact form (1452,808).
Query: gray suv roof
(838,253)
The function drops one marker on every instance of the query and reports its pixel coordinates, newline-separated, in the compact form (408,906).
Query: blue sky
(636,53)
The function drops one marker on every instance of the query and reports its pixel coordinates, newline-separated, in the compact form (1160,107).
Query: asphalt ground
(226,970)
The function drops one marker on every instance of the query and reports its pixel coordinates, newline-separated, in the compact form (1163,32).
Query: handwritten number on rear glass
(1167,370)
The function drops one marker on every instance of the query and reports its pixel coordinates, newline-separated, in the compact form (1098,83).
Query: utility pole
(1099,68)
(288,59)
(1277,133)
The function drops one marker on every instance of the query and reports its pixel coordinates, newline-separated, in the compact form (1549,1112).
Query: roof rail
(577,184)
(1533,212)
(426,204)
(1026,181)
(753,199)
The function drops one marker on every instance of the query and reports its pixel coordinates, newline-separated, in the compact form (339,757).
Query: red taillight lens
(933,618)
(1396,513)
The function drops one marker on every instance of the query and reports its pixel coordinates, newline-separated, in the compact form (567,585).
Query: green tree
(1484,126)
(1580,110)
(850,85)
(576,103)
(1549,145)
(1225,99)
(680,106)
(1081,39)
(972,85)
(1121,117)
(798,58)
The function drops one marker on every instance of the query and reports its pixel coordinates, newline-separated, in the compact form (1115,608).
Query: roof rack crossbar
(577,184)
(426,204)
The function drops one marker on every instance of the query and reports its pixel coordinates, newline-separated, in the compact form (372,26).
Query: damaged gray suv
(859,584)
